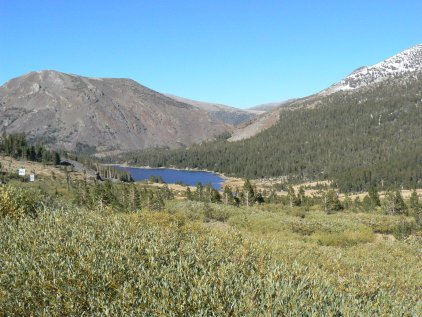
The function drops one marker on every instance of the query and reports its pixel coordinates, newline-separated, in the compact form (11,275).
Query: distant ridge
(227,114)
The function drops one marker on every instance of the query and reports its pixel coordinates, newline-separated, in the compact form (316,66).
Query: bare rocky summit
(100,114)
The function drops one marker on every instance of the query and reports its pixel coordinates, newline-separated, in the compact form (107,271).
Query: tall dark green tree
(199,192)
(189,195)
(374,196)
(332,203)
(249,193)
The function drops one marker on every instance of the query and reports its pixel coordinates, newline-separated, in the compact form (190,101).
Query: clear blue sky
(239,52)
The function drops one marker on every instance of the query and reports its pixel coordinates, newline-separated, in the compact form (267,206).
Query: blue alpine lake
(173,176)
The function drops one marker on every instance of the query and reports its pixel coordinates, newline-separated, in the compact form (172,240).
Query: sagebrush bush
(102,262)
(16,202)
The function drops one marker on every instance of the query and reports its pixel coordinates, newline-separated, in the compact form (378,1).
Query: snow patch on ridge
(402,64)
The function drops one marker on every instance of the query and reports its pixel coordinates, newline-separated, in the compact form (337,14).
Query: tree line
(17,146)
(328,199)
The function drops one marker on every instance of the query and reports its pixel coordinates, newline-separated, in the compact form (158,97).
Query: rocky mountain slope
(261,123)
(268,116)
(101,114)
(397,70)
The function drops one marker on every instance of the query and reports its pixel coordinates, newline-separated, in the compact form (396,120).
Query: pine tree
(393,203)
(249,193)
(414,200)
(332,203)
(259,198)
(415,207)
(199,191)
(374,196)
(215,196)
(189,195)
(401,207)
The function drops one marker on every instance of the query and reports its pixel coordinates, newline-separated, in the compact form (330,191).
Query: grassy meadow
(193,258)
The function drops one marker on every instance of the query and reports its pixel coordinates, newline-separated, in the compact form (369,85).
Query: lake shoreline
(225,179)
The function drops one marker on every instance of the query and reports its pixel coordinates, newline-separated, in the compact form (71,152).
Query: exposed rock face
(75,112)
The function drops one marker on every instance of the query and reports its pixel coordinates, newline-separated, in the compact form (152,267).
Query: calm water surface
(172,176)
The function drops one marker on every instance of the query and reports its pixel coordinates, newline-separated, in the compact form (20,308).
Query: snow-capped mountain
(393,74)
(403,65)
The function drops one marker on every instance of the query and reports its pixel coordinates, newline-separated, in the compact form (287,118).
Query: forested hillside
(371,136)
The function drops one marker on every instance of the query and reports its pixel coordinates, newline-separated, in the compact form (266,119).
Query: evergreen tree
(259,198)
(367,204)
(189,195)
(374,196)
(199,192)
(156,202)
(215,196)
(415,207)
(401,207)
(331,202)
(393,203)
(249,193)
(414,200)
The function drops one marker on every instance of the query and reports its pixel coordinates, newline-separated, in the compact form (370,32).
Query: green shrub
(344,239)
(399,226)
(17,202)
(213,213)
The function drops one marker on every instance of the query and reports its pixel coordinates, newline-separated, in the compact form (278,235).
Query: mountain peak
(70,111)
(404,64)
